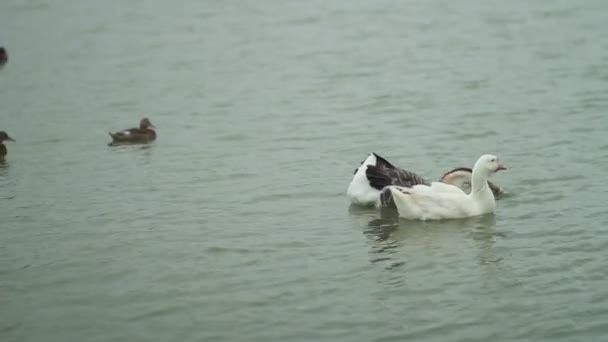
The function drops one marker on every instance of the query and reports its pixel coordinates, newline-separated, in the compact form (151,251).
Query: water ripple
(235,223)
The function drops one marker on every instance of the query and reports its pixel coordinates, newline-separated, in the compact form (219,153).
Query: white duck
(371,179)
(444,201)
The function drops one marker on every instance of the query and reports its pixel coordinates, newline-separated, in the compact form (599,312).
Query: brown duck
(142,135)
(4,137)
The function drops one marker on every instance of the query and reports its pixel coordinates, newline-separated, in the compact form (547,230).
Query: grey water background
(234,225)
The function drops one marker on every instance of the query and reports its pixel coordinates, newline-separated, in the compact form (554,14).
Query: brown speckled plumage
(143,134)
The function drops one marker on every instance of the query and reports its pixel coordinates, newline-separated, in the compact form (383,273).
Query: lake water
(234,225)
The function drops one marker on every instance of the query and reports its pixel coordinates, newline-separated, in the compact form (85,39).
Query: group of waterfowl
(143,134)
(140,135)
(459,193)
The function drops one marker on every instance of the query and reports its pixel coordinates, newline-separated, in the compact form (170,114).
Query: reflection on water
(467,246)
(130,146)
(389,221)
(388,234)
(382,228)
(7,183)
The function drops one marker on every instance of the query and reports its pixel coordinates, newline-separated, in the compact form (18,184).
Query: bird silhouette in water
(142,135)
(3,151)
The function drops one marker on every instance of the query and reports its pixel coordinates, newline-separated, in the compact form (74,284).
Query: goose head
(488,164)
(485,166)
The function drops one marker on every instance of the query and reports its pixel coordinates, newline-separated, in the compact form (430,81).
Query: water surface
(234,225)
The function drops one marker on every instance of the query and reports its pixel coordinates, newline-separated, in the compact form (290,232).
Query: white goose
(370,182)
(443,201)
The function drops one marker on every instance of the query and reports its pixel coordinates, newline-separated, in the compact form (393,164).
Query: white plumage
(359,190)
(370,182)
(443,201)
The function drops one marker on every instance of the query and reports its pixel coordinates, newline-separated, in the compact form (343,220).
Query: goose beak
(500,167)
(10,139)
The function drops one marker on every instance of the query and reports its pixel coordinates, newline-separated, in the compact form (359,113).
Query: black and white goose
(371,179)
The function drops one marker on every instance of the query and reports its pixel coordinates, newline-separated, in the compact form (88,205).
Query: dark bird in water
(3,151)
(3,56)
(142,135)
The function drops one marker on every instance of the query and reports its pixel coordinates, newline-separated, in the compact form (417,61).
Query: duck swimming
(3,151)
(370,182)
(444,201)
(142,135)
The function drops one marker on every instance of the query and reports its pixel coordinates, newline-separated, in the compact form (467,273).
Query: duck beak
(500,167)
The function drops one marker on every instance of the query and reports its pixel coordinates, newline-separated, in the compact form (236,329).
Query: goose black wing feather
(381,177)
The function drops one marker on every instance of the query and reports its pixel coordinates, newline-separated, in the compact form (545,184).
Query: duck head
(5,137)
(146,124)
